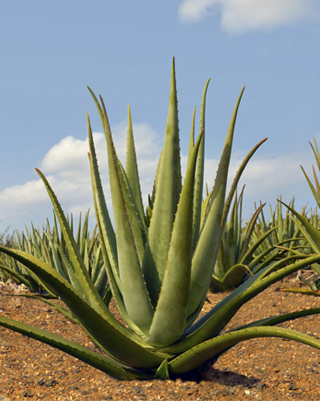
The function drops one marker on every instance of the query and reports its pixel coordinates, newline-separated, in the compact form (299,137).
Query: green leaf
(88,290)
(86,355)
(103,328)
(208,245)
(198,189)
(168,189)
(273,320)
(308,230)
(216,319)
(129,238)
(197,355)
(132,169)
(169,322)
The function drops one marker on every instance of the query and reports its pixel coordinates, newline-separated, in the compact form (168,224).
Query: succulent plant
(48,245)
(310,229)
(159,269)
(236,250)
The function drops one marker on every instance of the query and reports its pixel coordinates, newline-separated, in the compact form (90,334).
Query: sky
(51,51)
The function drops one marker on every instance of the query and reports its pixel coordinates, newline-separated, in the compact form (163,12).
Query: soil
(260,369)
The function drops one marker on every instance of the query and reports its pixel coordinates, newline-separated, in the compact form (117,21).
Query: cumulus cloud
(238,16)
(67,169)
(268,178)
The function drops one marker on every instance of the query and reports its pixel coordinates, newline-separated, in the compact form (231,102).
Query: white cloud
(267,178)
(67,169)
(196,10)
(238,16)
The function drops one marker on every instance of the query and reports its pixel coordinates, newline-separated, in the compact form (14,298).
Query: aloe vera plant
(285,238)
(235,259)
(310,229)
(159,273)
(49,245)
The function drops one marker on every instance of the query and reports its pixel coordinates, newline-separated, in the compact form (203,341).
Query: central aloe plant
(159,266)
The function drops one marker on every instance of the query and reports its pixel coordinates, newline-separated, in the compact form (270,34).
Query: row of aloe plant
(310,226)
(248,247)
(159,273)
(48,244)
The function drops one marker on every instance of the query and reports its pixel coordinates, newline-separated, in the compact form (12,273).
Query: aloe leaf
(209,242)
(198,189)
(34,284)
(196,356)
(115,339)
(237,177)
(305,291)
(316,268)
(221,265)
(78,351)
(44,299)
(129,237)
(168,189)
(137,218)
(169,323)
(132,167)
(249,254)
(273,320)
(234,275)
(162,373)
(216,319)
(56,260)
(107,235)
(246,251)
(232,239)
(77,238)
(88,290)
(217,285)
(316,152)
(191,141)
(308,230)
(205,208)
(314,192)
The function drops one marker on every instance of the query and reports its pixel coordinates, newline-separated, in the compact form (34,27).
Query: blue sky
(50,52)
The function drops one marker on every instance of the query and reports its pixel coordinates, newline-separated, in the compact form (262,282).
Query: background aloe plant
(310,228)
(235,259)
(285,238)
(48,245)
(159,273)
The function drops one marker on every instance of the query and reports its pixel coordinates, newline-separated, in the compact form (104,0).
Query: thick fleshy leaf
(203,352)
(198,188)
(215,320)
(110,335)
(191,140)
(304,291)
(314,191)
(107,235)
(86,355)
(273,320)
(88,291)
(209,242)
(132,168)
(130,241)
(168,189)
(308,230)
(247,251)
(169,320)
